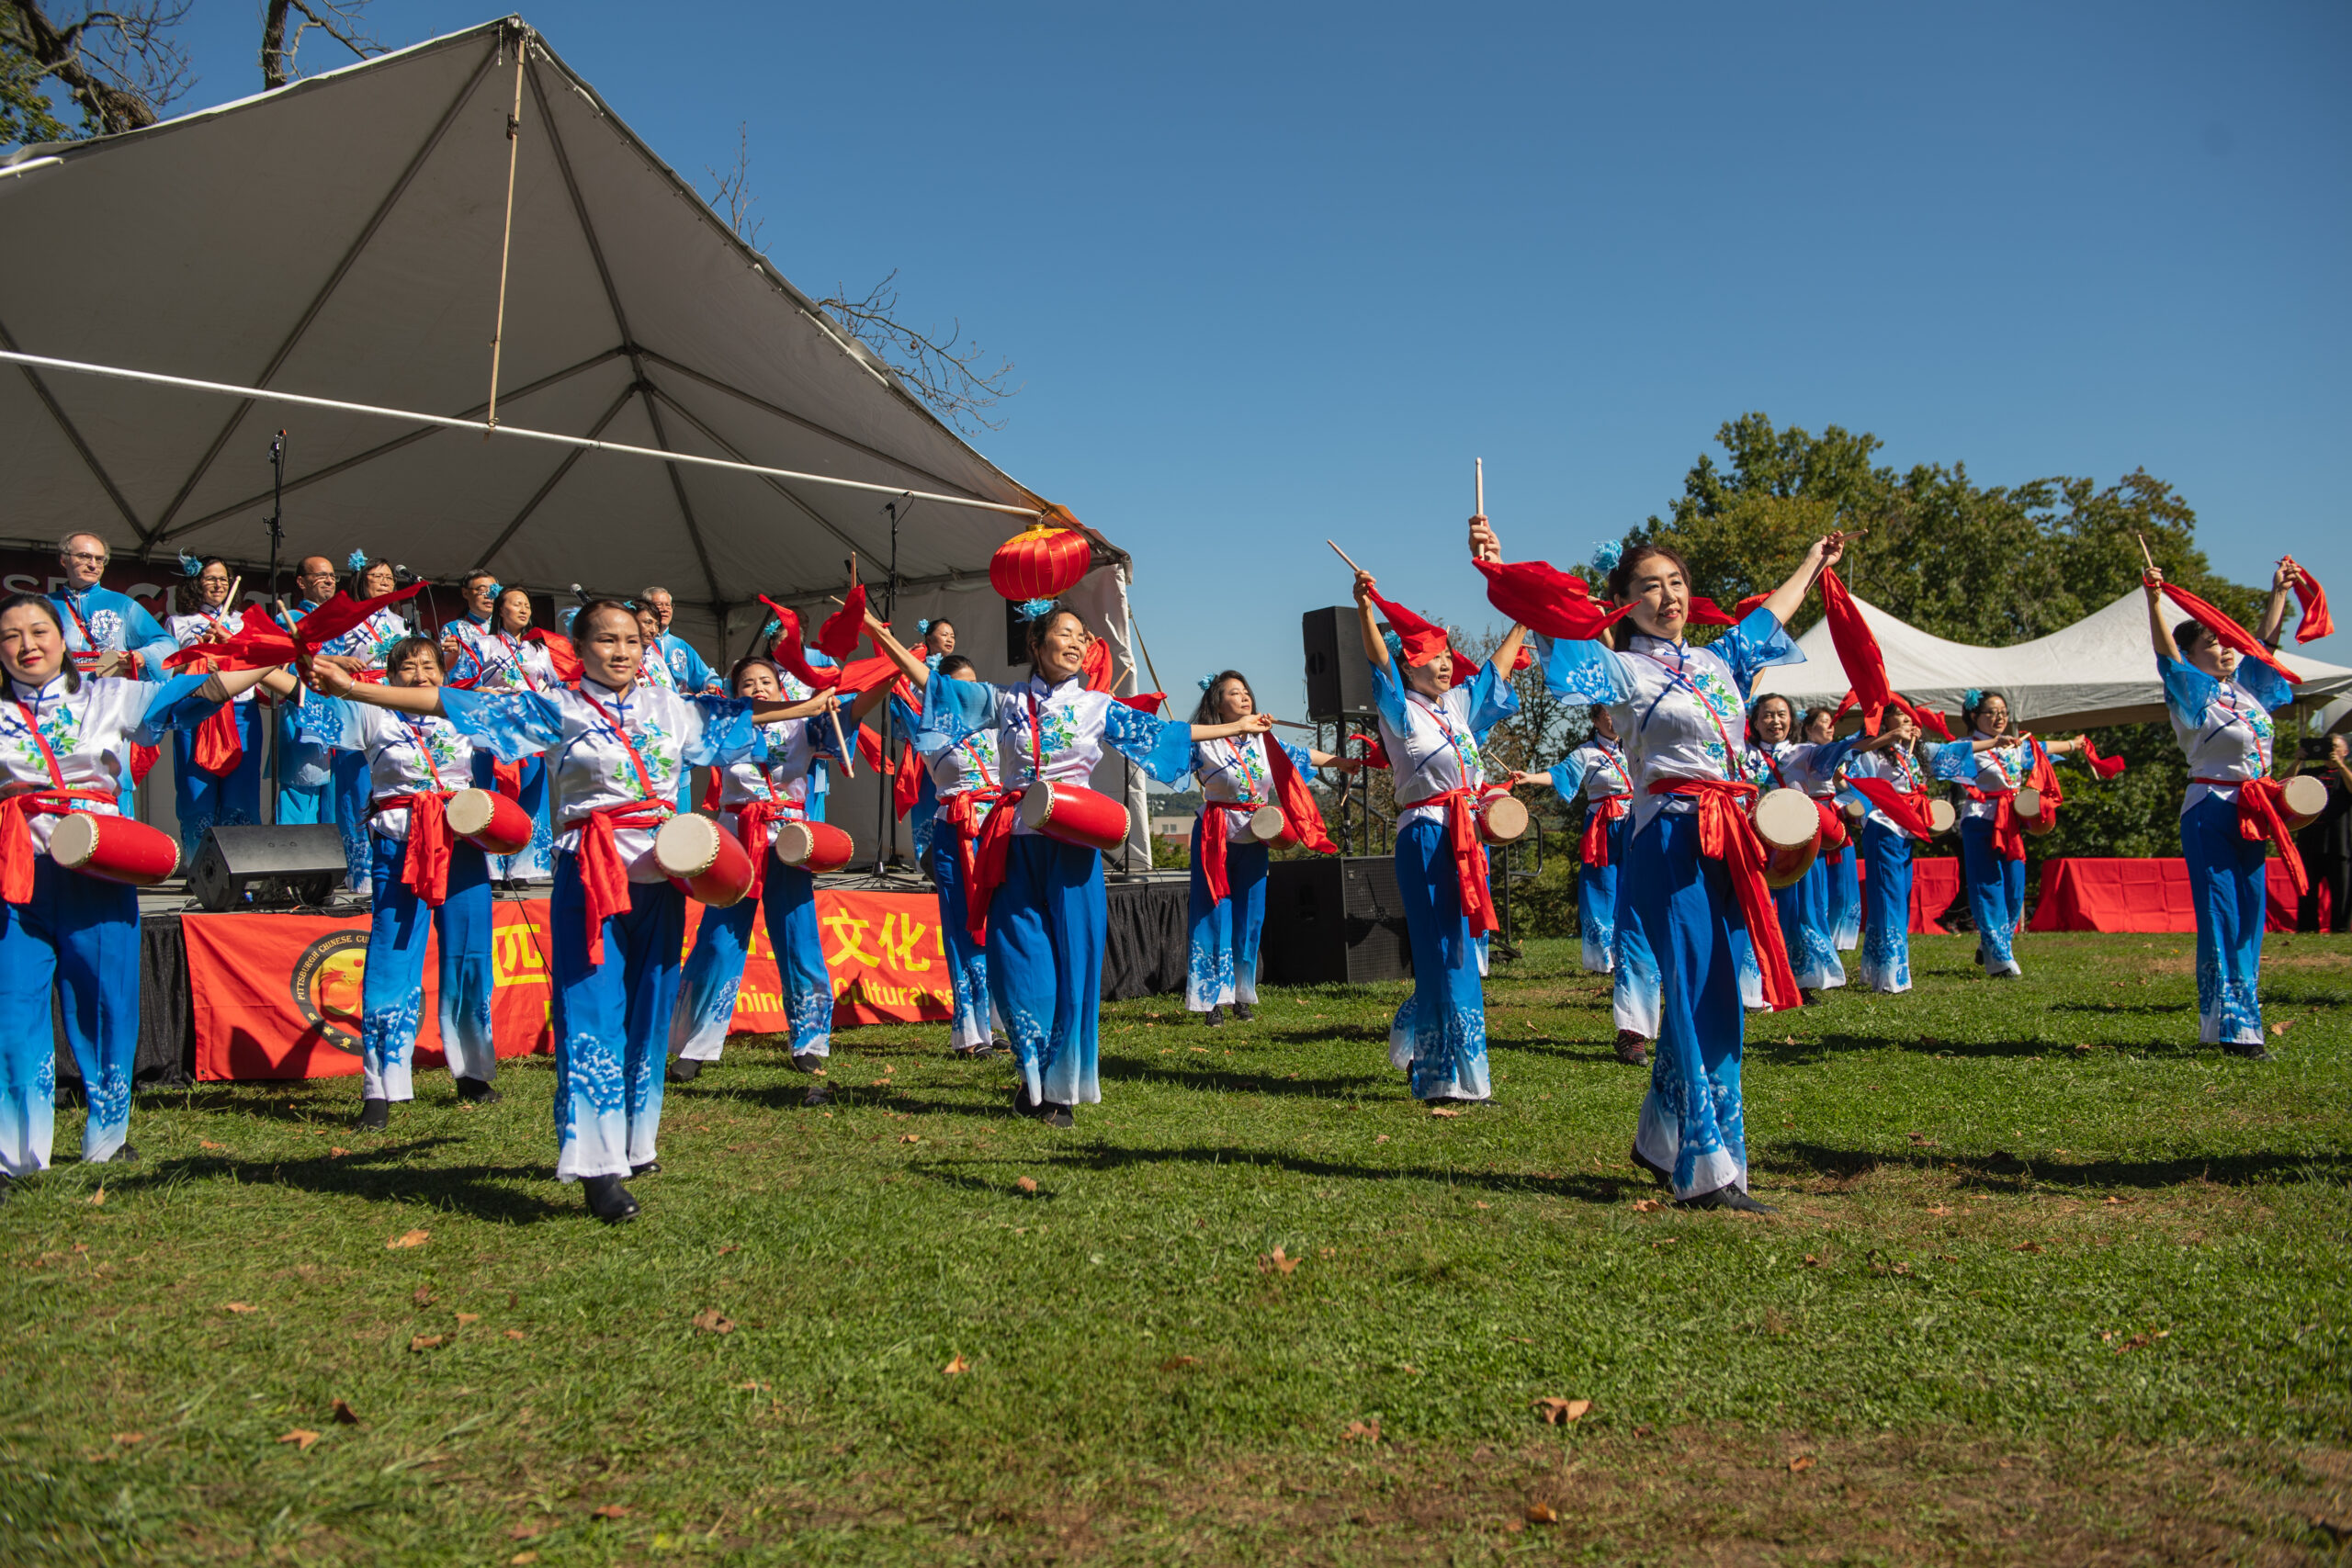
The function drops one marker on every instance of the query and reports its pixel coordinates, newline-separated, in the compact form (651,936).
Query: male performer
(464,634)
(305,772)
(107,633)
(686,666)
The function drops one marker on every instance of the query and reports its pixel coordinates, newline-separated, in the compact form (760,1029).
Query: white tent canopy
(2098,672)
(343,237)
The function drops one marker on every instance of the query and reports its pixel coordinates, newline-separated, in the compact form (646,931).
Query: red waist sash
(1594,846)
(1469,854)
(16,833)
(603,881)
(425,867)
(1726,834)
(2260,817)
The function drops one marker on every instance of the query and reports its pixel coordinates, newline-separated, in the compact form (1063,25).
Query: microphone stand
(276,538)
(885,838)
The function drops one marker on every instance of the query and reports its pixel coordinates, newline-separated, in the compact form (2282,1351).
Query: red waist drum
(114,848)
(1074,814)
(708,864)
(2026,804)
(1790,825)
(1502,819)
(2305,797)
(493,823)
(1940,815)
(814,847)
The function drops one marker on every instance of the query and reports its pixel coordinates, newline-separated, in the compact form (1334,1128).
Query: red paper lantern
(1042,562)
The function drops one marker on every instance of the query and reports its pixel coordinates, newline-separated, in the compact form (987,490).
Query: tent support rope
(267,395)
(506,241)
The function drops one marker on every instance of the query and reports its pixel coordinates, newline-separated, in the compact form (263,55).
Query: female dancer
(959,790)
(504,656)
(1842,855)
(1992,847)
(2221,707)
(202,798)
(1433,731)
(362,651)
(423,881)
(1599,769)
(1040,900)
(1887,851)
(620,745)
(63,736)
(1237,777)
(1695,866)
(1806,931)
(757,794)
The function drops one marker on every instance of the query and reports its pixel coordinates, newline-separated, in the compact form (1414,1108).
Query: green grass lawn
(2048,1284)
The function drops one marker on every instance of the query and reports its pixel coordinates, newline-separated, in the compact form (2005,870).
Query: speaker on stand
(265,867)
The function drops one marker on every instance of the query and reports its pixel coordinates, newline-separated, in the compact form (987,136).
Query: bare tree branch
(118,65)
(339,19)
(731,193)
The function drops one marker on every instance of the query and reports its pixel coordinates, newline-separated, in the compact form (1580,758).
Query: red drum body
(2027,803)
(1940,816)
(1267,824)
(2306,798)
(708,864)
(1502,819)
(491,823)
(1790,825)
(814,847)
(114,848)
(1074,814)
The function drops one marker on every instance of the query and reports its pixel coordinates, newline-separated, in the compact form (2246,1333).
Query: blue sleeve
(1161,746)
(727,735)
(953,709)
(2189,691)
(327,723)
(699,675)
(903,718)
(514,725)
(176,704)
(151,642)
(1827,757)
(1388,694)
(1567,776)
(1492,700)
(2269,687)
(1300,757)
(821,741)
(1582,669)
(1758,642)
(1954,762)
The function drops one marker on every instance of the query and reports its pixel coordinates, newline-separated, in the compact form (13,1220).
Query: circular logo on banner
(326,982)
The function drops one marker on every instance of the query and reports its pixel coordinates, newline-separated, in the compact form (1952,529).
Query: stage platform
(1144,957)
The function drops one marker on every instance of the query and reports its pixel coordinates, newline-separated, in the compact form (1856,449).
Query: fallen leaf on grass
(466,1317)
(300,1438)
(753,1387)
(1476,1205)
(526,1530)
(521,1558)
(1940,1208)
(609,1511)
(515,1334)
(100,1195)
(911,1137)
(956,1367)
(1644,1205)
(2027,1246)
(1277,1262)
(344,1414)
(1811,1261)
(1444,1110)
(336,1154)
(423,1295)
(127,1438)
(1946,1258)
(1382,1139)
(2281,1027)
(1178,1363)
(1027,1184)
(1561,1412)
(1365,1431)
(209,1144)
(731,1247)
(426,1341)
(1800,1464)
(408,1238)
(1542,1514)
(240,1308)
(710,1322)
(2142,1341)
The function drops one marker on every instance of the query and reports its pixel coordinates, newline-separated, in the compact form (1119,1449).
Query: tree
(339,19)
(119,66)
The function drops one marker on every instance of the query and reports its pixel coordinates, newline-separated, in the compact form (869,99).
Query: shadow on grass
(1231,1080)
(1378,1031)
(378,1175)
(1802,1052)
(270,1102)
(2219,1170)
(1591,1187)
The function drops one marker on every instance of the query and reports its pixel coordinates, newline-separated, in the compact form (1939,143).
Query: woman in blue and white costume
(2220,704)
(64,740)
(498,659)
(362,651)
(1992,848)
(1599,771)
(1820,726)
(959,789)
(1680,710)
(756,796)
(1811,768)
(1045,921)
(201,799)
(1237,777)
(618,748)
(419,885)
(1433,730)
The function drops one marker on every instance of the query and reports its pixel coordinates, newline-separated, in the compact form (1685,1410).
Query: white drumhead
(468,811)
(1036,804)
(74,841)
(1856,809)
(686,845)
(2306,795)
(1785,819)
(2028,803)
(1940,815)
(795,843)
(1503,816)
(1266,824)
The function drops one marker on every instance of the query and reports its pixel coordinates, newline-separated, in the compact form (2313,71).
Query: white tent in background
(345,238)
(2097,672)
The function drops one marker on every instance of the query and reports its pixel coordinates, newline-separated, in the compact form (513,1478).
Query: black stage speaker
(1339,677)
(1331,920)
(302,865)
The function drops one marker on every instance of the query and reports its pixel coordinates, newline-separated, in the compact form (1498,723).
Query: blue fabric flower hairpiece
(1607,554)
(923,628)
(768,633)
(356,561)
(1030,609)
(190,565)
(1206,681)
(1395,648)
(1971,699)
(496,588)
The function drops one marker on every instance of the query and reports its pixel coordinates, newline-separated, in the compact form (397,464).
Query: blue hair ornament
(923,628)
(496,588)
(1206,681)
(356,561)
(1030,609)
(1396,647)
(1971,699)
(768,633)
(1607,554)
(190,565)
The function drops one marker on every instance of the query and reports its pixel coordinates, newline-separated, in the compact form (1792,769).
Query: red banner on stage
(277,996)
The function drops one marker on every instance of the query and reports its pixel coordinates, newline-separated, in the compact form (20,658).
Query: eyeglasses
(86,555)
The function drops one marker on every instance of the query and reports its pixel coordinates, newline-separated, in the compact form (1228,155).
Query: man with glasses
(686,666)
(305,771)
(107,633)
(479,591)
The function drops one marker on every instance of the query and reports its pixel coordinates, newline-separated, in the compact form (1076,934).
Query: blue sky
(1271,273)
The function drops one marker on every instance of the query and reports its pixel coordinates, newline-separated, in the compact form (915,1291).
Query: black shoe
(1664,1177)
(650,1167)
(822,1094)
(124,1154)
(1214,1017)
(1805,998)
(477,1091)
(1730,1197)
(1054,1115)
(682,1069)
(807,1062)
(1020,1105)
(375,1115)
(1632,1049)
(1243,1011)
(2253,1053)
(608,1200)
(998,1042)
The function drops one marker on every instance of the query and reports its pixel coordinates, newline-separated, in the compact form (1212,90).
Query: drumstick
(849,760)
(2143,551)
(1343,555)
(1291,724)
(1479,469)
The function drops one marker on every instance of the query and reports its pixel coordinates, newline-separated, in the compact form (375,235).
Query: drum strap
(644,779)
(2261,816)
(86,658)
(1727,835)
